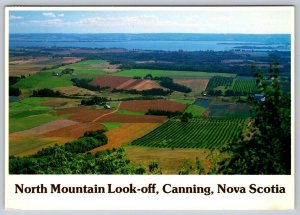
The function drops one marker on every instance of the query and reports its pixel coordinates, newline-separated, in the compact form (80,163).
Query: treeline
(206,61)
(94,101)
(168,83)
(167,113)
(84,83)
(14,91)
(45,92)
(74,158)
(150,92)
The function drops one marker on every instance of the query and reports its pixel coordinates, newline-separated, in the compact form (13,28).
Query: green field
(112,125)
(129,112)
(26,144)
(31,103)
(169,73)
(183,101)
(24,123)
(219,83)
(29,113)
(46,79)
(247,86)
(196,110)
(205,132)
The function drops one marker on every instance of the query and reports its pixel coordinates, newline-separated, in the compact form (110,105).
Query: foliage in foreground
(74,158)
(267,147)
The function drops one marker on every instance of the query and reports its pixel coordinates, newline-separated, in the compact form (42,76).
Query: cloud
(49,14)
(47,22)
(61,15)
(15,17)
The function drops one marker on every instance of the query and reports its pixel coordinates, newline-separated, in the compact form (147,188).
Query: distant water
(166,42)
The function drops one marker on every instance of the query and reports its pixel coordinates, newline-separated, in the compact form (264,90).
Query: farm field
(205,133)
(126,133)
(195,110)
(29,65)
(32,112)
(169,73)
(198,85)
(46,79)
(219,81)
(146,105)
(170,160)
(124,83)
(246,86)
(218,108)
(28,142)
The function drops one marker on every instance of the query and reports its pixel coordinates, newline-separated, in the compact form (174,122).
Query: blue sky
(258,20)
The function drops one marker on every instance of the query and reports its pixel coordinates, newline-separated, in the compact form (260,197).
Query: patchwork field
(31,65)
(74,91)
(218,108)
(46,78)
(145,105)
(31,112)
(169,73)
(82,114)
(198,85)
(126,133)
(128,118)
(124,83)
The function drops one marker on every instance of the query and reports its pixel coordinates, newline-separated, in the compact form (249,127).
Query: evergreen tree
(266,146)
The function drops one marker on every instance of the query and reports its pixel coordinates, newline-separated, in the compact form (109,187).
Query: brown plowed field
(109,81)
(145,105)
(146,85)
(125,134)
(125,118)
(197,85)
(73,90)
(81,114)
(23,144)
(50,126)
(74,131)
(124,83)
(70,60)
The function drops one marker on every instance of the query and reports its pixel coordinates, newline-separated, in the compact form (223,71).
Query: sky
(245,20)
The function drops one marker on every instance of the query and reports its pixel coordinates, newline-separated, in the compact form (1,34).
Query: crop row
(209,133)
(217,81)
(244,86)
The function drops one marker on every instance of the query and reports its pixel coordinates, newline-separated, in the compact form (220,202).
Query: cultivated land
(215,100)
(169,73)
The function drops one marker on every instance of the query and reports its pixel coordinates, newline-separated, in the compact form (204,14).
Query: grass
(170,160)
(27,143)
(169,73)
(83,69)
(28,104)
(29,113)
(184,101)
(129,112)
(24,123)
(45,79)
(112,125)
(195,110)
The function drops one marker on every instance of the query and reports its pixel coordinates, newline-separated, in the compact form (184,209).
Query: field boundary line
(96,119)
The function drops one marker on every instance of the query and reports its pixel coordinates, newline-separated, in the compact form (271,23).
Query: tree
(266,146)
(186,117)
